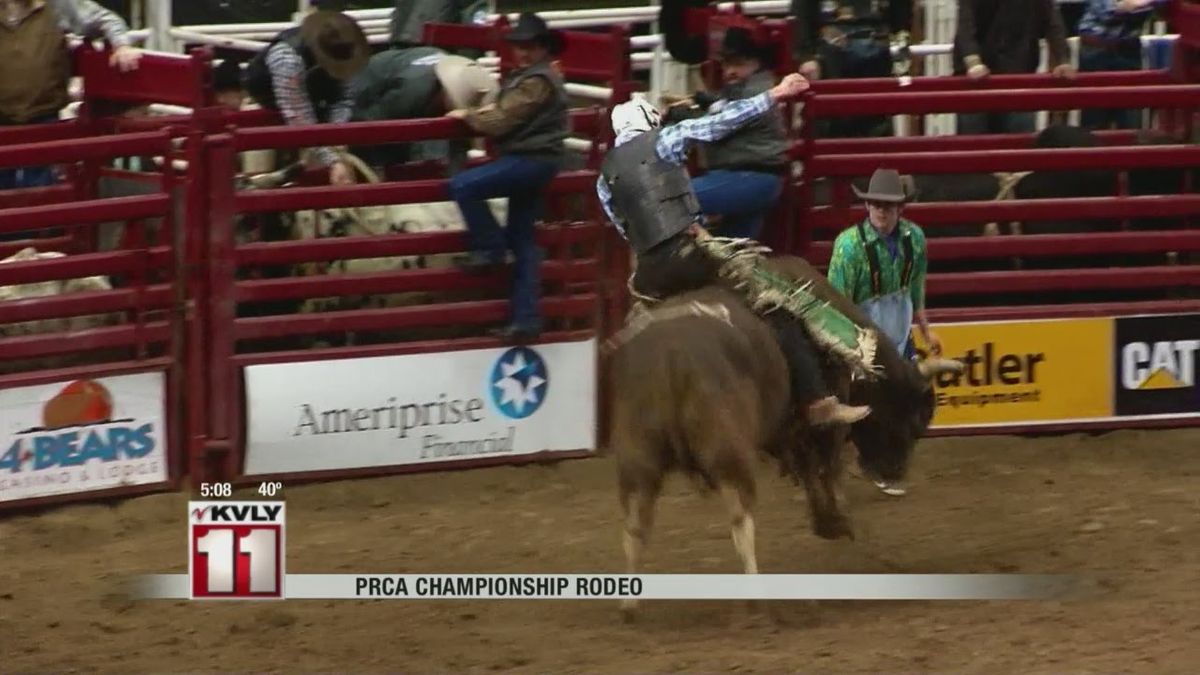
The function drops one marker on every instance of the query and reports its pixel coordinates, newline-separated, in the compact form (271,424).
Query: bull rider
(418,82)
(880,264)
(645,190)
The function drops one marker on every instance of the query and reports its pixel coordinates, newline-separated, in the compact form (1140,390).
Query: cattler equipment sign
(421,408)
(82,436)
(1024,372)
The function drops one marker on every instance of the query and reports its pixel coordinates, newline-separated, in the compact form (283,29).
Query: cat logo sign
(1170,364)
(1154,358)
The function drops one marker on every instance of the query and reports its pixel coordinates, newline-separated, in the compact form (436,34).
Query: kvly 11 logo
(236,550)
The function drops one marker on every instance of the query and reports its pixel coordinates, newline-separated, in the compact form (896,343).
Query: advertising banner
(1022,372)
(1155,362)
(81,436)
(420,408)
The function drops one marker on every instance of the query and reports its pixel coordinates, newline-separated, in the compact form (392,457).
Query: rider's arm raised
(674,141)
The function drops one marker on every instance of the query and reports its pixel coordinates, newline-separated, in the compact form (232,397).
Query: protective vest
(324,91)
(760,145)
(35,67)
(543,135)
(653,197)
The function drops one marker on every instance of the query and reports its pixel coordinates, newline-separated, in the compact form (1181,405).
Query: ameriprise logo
(519,382)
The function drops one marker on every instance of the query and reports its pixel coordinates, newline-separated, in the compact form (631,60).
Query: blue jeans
(1092,59)
(742,198)
(996,123)
(522,180)
(29,176)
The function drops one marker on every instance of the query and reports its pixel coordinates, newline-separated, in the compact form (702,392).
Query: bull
(700,387)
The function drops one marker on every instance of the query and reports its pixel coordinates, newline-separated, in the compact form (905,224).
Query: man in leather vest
(35,64)
(645,190)
(837,39)
(747,169)
(528,123)
(303,73)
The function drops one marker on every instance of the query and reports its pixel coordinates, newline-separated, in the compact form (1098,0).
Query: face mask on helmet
(636,115)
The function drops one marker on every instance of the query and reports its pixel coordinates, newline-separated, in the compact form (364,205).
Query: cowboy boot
(830,410)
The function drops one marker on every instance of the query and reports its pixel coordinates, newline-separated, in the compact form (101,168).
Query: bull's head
(902,405)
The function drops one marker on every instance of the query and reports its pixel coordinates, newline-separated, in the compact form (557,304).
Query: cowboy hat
(532,28)
(741,42)
(886,186)
(464,81)
(337,41)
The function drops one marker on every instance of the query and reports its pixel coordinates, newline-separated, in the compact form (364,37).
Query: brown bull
(901,400)
(701,388)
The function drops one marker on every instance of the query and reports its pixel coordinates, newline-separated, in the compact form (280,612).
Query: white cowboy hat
(465,82)
(636,114)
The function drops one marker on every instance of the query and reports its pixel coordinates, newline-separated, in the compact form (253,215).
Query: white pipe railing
(194,37)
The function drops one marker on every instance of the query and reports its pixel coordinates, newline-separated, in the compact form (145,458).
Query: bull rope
(1008,184)
(642,318)
(743,264)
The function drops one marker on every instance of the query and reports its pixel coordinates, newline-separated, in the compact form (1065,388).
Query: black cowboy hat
(685,47)
(227,75)
(740,42)
(337,41)
(532,28)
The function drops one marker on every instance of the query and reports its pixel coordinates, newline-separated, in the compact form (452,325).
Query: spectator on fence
(1003,37)
(35,64)
(528,122)
(416,82)
(1110,39)
(747,169)
(849,39)
(880,264)
(303,73)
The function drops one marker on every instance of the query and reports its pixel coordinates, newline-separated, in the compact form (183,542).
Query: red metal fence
(188,294)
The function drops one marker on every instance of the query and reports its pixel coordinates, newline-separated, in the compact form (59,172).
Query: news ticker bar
(647,586)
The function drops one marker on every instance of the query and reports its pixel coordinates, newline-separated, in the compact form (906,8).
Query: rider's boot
(830,410)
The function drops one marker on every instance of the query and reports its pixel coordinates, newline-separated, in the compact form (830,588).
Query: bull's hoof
(833,527)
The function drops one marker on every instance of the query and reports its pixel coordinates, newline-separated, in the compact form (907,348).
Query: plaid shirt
(1101,19)
(291,95)
(676,140)
(82,17)
(850,269)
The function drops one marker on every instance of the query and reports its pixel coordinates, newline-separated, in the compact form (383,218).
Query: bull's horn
(935,366)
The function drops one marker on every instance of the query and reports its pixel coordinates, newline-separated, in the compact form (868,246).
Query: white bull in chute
(43,289)
(375,221)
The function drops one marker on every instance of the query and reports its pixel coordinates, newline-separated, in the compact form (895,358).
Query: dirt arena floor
(1122,509)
